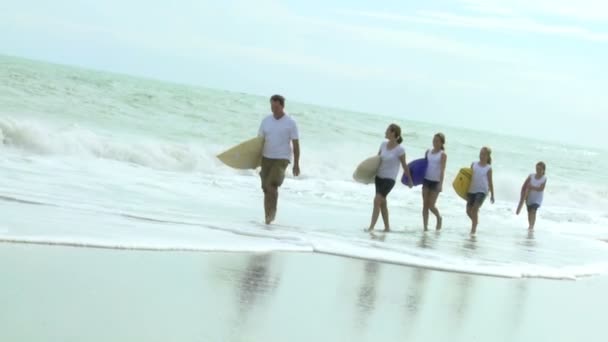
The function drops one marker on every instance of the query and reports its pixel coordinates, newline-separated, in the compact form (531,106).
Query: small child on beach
(532,192)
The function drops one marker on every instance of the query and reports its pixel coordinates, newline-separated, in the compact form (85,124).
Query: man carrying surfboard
(280,132)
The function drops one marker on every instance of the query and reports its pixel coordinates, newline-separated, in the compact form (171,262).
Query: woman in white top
(481,184)
(533,189)
(433,179)
(392,154)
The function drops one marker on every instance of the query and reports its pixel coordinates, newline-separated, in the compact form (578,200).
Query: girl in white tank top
(481,184)
(433,180)
(532,193)
(434,168)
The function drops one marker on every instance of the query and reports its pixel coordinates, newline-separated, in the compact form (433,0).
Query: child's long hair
(397,130)
(489,151)
(441,137)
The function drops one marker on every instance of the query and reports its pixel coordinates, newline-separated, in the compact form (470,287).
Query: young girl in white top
(433,180)
(481,184)
(533,189)
(392,154)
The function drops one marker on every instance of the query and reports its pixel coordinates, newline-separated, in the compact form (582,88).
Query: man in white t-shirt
(278,130)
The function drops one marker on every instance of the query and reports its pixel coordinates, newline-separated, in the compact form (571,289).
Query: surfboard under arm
(523,196)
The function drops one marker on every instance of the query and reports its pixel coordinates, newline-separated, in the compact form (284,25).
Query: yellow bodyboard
(462,182)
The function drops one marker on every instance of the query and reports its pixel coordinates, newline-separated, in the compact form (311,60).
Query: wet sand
(53,293)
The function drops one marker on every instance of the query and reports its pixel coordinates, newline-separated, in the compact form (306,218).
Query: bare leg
(474,218)
(531,219)
(266,205)
(425,208)
(376,211)
(432,198)
(384,211)
(271,196)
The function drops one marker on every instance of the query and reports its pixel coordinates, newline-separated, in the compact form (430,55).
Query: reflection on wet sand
(463,288)
(428,241)
(530,241)
(519,305)
(255,285)
(415,290)
(366,299)
(470,246)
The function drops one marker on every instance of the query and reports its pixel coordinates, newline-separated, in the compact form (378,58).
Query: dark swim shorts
(384,186)
(431,185)
(475,199)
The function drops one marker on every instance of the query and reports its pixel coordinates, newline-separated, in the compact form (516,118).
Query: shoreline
(313,251)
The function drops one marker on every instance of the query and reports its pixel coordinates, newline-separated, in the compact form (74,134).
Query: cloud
(581,10)
(500,23)
(310,62)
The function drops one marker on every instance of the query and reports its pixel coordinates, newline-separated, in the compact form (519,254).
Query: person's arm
(444,161)
(406,171)
(295,140)
(525,188)
(491,183)
(261,129)
(472,177)
(380,148)
(296,157)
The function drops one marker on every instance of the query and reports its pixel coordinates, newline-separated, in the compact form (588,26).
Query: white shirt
(480,182)
(389,165)
(433,170)
(536,197)
(278,135)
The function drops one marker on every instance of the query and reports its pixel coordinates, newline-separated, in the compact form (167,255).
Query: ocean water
(103,160)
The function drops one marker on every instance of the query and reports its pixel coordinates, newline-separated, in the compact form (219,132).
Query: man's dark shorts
(273,172)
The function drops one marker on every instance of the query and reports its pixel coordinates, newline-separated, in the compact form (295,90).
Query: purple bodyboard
(418,170)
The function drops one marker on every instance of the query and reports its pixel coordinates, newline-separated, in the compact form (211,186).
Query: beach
(52,293)
(119,223)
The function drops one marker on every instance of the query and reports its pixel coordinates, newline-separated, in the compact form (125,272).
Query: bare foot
(473,232)
(270,218)
(439,222)
(387,230)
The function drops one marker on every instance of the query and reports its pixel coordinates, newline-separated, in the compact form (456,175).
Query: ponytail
(397,131)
